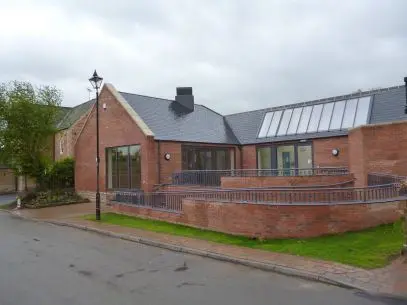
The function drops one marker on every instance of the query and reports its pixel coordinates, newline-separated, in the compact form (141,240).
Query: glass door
(285,159)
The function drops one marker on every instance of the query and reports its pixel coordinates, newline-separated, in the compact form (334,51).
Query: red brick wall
(287,221)
(148,213)
(322,149)
(356,157)
(174,164)
(378,148)
(246,182)
(274,221)
(116,128)
(249,156)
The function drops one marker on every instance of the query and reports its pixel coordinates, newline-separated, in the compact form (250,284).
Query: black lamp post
(96,82)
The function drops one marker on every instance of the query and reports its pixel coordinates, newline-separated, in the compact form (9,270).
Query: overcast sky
(237,55)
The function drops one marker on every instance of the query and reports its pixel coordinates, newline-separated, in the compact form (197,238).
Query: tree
(27,123)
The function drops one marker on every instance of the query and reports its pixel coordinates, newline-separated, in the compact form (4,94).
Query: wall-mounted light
(167,156)
(104,106)
(335,152)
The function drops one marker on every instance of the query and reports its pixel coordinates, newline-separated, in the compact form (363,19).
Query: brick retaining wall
(274,221)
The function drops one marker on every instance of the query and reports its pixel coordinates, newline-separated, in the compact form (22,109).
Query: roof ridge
(323,100)
(161,98)
(210,109)
(149,96)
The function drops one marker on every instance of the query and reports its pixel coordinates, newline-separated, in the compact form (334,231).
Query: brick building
(144,140)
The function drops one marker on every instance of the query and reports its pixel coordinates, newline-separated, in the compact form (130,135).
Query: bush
(63,173)
(60,175)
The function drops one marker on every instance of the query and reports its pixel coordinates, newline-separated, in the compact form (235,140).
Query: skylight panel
(350,112)
(326,117)
(266,124)
(285,121)
(295,118)
(337,115)
(274,123)
(305,116)
(362,111)
(315,117)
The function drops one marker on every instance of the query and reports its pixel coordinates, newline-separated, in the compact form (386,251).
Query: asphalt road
(42,264)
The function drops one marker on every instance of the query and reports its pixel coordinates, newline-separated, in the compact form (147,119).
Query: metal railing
(381,178)
(172,201)
(213,177)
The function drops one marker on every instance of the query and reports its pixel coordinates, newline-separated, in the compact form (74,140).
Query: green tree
(27,123)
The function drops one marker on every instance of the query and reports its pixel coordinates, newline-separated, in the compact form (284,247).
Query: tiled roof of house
(170,121)
(387,105)
(70,115)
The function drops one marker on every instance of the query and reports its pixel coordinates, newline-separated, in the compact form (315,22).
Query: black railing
(172,201)
(381,178)
(213,177)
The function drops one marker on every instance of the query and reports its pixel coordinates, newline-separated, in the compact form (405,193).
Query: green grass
(372,248)
(8,206)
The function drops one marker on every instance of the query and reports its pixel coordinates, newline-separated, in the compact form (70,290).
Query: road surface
(42,264)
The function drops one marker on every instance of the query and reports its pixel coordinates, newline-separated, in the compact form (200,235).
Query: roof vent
(185,97)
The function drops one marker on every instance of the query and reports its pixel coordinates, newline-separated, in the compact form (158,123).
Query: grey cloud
(238,55)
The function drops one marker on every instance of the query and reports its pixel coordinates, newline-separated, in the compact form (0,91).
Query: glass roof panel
(305,116)
(266,124)
(326,117)
(285,121)
(274,123)
(362,111)
(315,116)
(295,118)
(337,115)
(349,115)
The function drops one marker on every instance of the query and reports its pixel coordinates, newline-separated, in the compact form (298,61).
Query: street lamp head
(96,80)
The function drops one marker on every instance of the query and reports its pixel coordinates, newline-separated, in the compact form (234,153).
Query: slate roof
(387,106)
(70,115)
(170,121)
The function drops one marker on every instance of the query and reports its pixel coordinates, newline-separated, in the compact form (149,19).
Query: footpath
(391,280)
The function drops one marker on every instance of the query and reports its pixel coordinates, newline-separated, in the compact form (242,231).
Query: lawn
(372,248)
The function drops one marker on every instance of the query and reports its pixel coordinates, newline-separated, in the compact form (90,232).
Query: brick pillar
(357,157)
(249,157)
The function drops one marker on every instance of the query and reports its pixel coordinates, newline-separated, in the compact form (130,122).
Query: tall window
(123,168)
(206,158)
(286,157)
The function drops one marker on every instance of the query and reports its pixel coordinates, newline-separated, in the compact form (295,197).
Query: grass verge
(9,206)
(371,248)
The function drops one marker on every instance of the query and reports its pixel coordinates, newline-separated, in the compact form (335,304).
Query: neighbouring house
(69,126)
(8,182)
(69,123)
(144,140)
